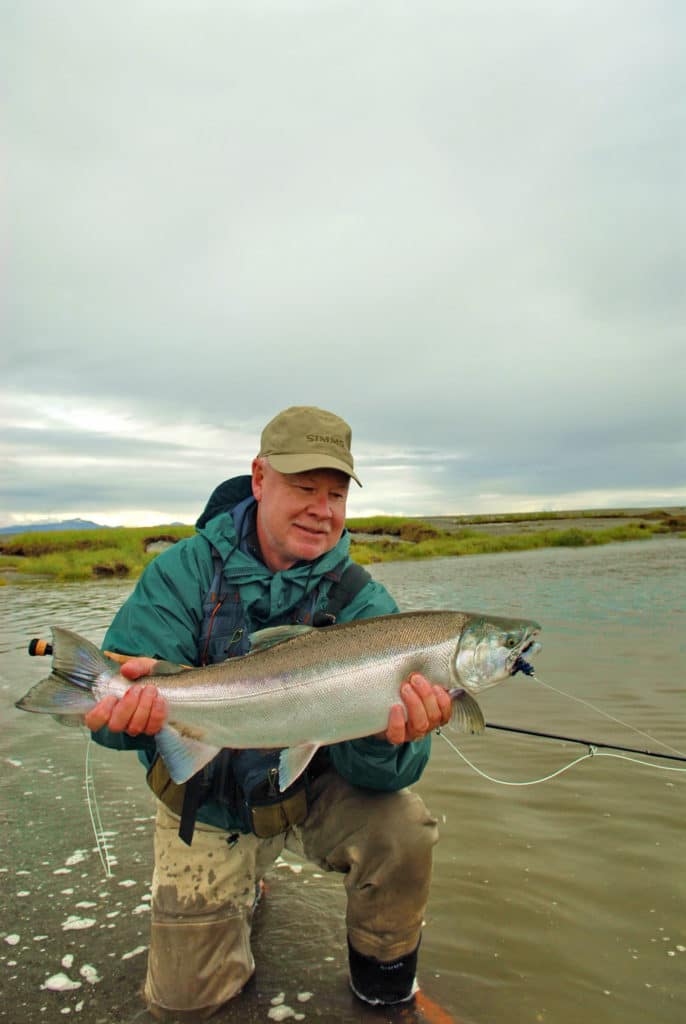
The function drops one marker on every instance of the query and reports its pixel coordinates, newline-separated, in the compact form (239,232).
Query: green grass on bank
(124,552)
(84,554)
(468,542)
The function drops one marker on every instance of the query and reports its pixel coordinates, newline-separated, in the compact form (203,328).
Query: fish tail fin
(76,665)
(467,715)
(55,696)
(78,661)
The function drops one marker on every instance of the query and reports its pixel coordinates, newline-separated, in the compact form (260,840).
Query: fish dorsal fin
(263,638)
(167,668)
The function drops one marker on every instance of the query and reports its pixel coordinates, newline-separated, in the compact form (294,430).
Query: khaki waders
(203,895)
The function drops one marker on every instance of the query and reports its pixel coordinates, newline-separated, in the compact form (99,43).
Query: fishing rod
(582,742)
(39,648)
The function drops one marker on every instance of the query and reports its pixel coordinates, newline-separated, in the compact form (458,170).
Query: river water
(551,903)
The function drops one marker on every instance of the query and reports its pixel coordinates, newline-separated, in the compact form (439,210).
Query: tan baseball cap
(304,437)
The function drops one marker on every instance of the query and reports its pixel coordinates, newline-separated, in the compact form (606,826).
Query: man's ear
(257,478)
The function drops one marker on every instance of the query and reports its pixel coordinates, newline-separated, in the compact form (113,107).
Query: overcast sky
(460,225)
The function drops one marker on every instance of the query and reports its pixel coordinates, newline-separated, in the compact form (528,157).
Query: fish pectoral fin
(263,638)
(293,761)
(467,716)
(183,755)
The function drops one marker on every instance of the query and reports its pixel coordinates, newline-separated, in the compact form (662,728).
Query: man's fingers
(444,703)
(158,715)
(100,714)
(134,668)
(395,733)
(138,722)
(425,708)
(140,710)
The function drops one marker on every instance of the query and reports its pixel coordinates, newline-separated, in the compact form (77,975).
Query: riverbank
(125,551)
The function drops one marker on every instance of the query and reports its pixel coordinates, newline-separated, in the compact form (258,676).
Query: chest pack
(225,628)
(246,781)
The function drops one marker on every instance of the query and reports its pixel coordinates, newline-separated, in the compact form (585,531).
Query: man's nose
(320,505)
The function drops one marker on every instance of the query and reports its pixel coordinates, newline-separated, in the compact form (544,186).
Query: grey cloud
(460,225)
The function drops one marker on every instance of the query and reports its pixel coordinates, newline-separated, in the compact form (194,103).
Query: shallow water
(550,903)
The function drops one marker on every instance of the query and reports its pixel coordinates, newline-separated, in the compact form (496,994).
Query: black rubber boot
(383,982)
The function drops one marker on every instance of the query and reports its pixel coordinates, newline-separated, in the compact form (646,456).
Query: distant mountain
(66,524)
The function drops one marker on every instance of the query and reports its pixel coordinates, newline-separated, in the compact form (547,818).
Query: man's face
(300,516)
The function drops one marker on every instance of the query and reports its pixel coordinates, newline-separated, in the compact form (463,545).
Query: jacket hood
(224,498)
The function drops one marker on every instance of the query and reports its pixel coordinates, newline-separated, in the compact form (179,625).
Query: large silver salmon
(300,688)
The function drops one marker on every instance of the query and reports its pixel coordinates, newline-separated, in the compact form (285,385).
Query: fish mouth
(519,662)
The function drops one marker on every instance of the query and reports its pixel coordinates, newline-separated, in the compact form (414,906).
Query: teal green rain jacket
(163,616)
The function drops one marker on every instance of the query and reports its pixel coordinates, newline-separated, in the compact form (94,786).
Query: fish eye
(511,641)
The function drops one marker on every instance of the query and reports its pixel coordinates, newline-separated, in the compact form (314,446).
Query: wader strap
(192,798)
(351,582)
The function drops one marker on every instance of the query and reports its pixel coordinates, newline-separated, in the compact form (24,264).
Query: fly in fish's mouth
(520,664)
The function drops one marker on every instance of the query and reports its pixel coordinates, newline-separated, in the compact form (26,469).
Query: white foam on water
(11,940)
(90,974)
(67,892)
(134,952)
(14,762)
(304,997)
(282,1012)
(277,1000)
(62,871)
(142,908)
(84,904)
(60,983)
(76,857)
(127,883)
(74,923)
(67,960)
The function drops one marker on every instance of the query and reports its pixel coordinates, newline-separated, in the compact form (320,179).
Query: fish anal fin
(293,761)
(467,716)
(183,755)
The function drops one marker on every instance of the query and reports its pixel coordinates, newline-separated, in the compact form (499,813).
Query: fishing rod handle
(41,648)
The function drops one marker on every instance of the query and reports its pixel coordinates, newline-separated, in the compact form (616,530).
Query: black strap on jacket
(352,580)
